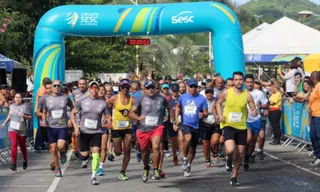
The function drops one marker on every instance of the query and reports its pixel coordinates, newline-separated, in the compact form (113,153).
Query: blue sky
(244,1)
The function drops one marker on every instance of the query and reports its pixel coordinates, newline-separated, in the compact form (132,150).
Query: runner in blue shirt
(192,107)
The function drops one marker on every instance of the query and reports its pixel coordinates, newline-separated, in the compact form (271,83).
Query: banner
(287,118)
(297,130)
(4,138)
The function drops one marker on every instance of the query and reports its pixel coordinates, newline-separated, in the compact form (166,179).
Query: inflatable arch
(124,20)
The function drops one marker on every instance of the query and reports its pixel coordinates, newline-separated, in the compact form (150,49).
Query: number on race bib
(15,125)
(57,114)
(151,120)
(235,117)
(122,124)
(211,119)
(90,124)
(190,109)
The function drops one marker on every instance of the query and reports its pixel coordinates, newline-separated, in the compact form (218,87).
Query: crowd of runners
(149,116)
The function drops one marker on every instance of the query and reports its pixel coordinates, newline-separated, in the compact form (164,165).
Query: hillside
(271,10)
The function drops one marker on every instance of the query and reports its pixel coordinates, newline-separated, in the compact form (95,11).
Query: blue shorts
(255,127)
(105,131)
(54,134)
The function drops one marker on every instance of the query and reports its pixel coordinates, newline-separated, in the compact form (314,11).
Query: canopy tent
(6,63)
(281,42)
(254,32)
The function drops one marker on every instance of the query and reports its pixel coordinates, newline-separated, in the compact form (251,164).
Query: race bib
(190,109)
(90,124)
(151,120)
(122,124)
(15,125)
(210,119)
(235,117)
(57,114)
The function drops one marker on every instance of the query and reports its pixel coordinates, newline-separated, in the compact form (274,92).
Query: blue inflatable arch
(124,20)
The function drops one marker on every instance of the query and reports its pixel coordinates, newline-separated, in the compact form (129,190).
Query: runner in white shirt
(253,122)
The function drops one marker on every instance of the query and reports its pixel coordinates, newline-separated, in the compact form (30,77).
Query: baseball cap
(124,82)
(148,83)
(168,77)
(165,85)
(93,82)
(192,81)
(209,89)
(174,87)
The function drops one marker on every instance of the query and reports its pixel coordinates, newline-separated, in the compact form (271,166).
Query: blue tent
(6,63)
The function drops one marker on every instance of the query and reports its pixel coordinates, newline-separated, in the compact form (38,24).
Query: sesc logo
(183,17)
(72,18)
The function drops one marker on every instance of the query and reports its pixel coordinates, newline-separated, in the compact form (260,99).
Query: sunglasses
(56,86)
(193,86)
(150,87)
(125,87)
(207,92)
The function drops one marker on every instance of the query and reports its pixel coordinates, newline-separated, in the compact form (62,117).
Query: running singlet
(17,123)
(235,110)
(120,119)
(259,98)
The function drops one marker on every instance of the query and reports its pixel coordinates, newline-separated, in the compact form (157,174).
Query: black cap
(175,87)
(168,77)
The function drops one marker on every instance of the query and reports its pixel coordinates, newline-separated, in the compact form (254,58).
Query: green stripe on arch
(151,17)
(120,21)
(140,19)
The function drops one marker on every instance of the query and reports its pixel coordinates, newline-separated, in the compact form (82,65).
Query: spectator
(298,80)
(275,113)
(289,79)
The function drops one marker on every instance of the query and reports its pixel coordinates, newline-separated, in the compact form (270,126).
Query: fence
(294,124)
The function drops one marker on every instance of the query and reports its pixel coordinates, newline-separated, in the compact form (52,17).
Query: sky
(244,1)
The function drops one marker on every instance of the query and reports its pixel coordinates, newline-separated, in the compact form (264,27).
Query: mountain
(272,10)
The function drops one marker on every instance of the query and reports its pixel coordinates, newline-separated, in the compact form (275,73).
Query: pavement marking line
(56,180)
(24,186)
(288,163)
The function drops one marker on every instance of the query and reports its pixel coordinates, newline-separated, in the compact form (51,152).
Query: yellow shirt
(121,118)
(235,110)
(314,101)
(276,99)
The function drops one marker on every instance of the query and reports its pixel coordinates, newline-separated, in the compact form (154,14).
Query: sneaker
(13,167)
(145,174)
(234,182)
(168,154)
(315,162)
(100,172)
(63,157)
(76,154)
(162,173)
(84,164)
(58,173)
(261,155)
(184,166)
(94,181)
(52,166)
(156,175)
(175,161)
(138,157)
(110,157)
(24,165)
(187,172)
(245,166)
(228,165)
(215,160)
(208,163)
(123,176)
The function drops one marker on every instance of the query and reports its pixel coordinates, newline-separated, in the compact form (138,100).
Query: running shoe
(175,161)
(208,163)
(58,173)
(261,155)
(145,174)
(215,160)
(94,181)
(234,182)
(184,166)
(315,162)
(13,167)
(162,173)
(123,176)
(228,165)
(187,172)
(77,154)
(156,175)
(63,157)
(138,157)
(252,159)
(100,172)
(84,164)
(110,157)
(168,153)
(24,165)
(52,166)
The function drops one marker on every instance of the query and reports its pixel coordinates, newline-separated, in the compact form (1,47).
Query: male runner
(150,126)
(121,124)
(55,111)
(182,88)
(192,106)
(110,154)
(233,122)
(91,109)
(254,123)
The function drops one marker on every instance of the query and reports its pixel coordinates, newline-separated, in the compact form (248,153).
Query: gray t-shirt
(17,123)
(91,111)
(56,106)
(216,93)
(78,96)
(151,108)
(41,104)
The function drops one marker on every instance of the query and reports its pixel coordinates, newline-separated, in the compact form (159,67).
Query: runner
(150,126)
(19,112)
(229,83)
(121,124)
(190,106)
(233,122)
(55,111)
(182,88)
(109,93)
(91,109)
(254,123)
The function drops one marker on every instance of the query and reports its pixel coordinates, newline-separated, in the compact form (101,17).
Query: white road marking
(288,163)
(24,186)
(56,180)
